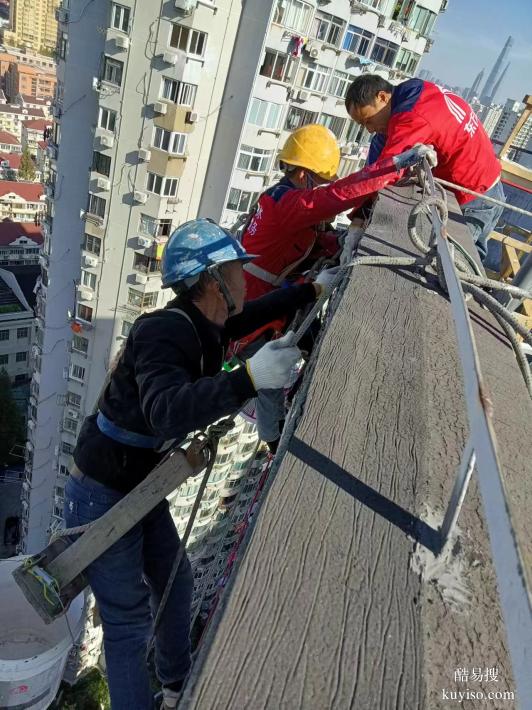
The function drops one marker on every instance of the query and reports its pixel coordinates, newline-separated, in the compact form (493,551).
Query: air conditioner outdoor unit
(160,107)
(84,293)
(144,154)
(91,261)
(73,414)
(31,424)
(107,141)
(313,49)
(103,183)
(140,196)
(186,5)
(122,42)
(96,83)
(191,117)
(144,242)
(141,278)
(347,149)
(169,57)
(303,95)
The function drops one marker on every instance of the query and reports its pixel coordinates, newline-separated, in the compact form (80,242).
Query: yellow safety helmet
(313,147)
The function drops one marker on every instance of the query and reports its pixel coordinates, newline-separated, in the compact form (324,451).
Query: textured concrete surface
(337,603)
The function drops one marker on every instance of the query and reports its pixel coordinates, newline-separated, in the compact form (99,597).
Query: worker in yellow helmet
(287,230)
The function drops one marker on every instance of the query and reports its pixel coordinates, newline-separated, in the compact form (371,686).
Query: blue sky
(469,36)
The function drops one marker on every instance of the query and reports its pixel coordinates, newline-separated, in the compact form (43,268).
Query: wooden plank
(328,609)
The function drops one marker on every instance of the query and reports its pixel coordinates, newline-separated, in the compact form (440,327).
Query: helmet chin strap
(216,275)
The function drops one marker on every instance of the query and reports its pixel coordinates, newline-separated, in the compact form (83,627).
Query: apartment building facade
(31,81)
(32,25)
(135,115)
(298,73)
(16,326)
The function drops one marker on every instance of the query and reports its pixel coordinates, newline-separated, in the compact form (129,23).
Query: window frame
(314,77)
(101,163)
(96,201)
(77,372)
(258,159)
(386,46)
(84,349)
(112,71)
(178,91)
(86,246)
(110,119)
(253,197)
(82,308)
(304,116)
(90,278)
(124,13)
(287,16)
(171,142)
(335,124)
(166,184)
(193,38)
(287,73)
(362,36)
(264,113)
(145,298)
(25,334)
(332,23)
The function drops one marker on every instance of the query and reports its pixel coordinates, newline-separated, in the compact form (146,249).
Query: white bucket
(32,654)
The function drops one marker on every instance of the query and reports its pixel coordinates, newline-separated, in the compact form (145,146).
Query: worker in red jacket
(289,227)
(418,111)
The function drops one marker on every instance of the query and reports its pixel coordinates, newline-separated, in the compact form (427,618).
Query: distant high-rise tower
(474,90)
(33,25)
(489,87)
(499,81)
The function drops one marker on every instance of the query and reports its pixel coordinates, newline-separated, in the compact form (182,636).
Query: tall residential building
(165,111)
(492,82)
(298,73)
(490,115)
(509,116)
(33,25)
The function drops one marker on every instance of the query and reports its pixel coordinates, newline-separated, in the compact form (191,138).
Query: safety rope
(484,197)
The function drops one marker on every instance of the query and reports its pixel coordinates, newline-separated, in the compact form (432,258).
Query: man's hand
(271,366)
(326,277)
(415,155)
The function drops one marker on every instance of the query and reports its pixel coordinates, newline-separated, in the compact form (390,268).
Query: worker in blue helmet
(167,382)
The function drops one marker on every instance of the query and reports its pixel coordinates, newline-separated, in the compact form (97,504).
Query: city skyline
(469,38)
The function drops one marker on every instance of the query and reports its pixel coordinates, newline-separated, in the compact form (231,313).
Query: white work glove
(326,277)
(271,366)
(415,155)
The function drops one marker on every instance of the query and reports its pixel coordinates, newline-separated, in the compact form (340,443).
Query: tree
(11,427)
(27,166)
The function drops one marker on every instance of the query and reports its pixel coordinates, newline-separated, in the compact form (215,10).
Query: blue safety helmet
(197,246)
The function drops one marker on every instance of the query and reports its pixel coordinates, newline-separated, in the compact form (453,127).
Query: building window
(357,40)
(22,333)
(107,119)
(265,113)
(126,327)
(294,14)
(384,51)
(88,279)
(146,264)
(4,334)
(255,160)
(80,344)
(167,187)
(333,123)
(92,244)
(415,17)
(96,205)
(179,92)
(407,61)
(112,71)
(84,313)
(73,399)
(314,77)
(240,200)
(67,449)
(327,28)
(77,372)
(120,17)
(101,163)
(22,357)
(339,84)
(170,141)
(142,300)
(188,40)
(299,117)
(278,66)
(4,359)
(62,47)
(154,227)
(356,133)
(70,425)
